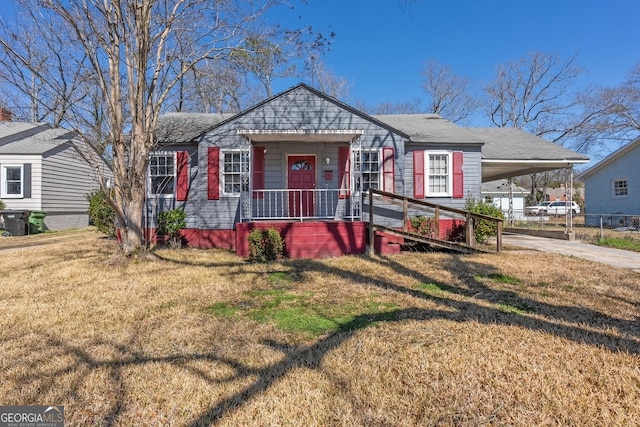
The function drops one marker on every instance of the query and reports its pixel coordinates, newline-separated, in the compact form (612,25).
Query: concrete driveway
(614,257)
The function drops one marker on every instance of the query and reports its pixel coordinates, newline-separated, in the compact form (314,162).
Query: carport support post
(568,197)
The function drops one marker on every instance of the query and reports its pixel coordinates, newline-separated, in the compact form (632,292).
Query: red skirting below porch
(203,239)
(309,239)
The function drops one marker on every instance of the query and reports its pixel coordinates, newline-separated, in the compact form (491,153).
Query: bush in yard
(483,228)
(265,245)
(170,223)
(423,225)
(101,214)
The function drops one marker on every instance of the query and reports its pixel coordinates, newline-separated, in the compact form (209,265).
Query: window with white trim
(162,174)
(12,181)
(438,173)
(366,166)
(235,172)
(620,188)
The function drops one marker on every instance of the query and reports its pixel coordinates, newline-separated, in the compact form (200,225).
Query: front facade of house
(612,188)
(302,162)
(41,170)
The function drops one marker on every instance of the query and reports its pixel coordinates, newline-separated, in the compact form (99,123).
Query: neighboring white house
(497,192)
(41,170)
(612,188)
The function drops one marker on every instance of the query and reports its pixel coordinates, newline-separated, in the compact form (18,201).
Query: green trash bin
(36,221)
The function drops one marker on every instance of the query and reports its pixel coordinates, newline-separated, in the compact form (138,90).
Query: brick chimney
(5,115)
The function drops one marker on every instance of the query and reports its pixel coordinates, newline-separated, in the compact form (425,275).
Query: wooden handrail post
(405,208)
(499,237)
(468,230)
(371,233)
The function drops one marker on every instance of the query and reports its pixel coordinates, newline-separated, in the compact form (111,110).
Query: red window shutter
(458,176)
(344,170)
(182,175)
(258,171)
(418,174)
(387,170)
(213,173)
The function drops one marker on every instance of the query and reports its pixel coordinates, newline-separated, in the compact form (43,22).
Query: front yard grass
(199,337)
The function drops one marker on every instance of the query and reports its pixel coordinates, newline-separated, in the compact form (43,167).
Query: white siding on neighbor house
(29,203)
(599,196)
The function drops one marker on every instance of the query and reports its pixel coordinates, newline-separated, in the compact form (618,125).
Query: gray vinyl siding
(471,164)
(599,196)
(66,181)
(299,110)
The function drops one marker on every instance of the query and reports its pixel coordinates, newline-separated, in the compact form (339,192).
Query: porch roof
(310,135)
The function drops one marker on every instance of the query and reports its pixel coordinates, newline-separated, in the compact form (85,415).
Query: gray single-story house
(612,188)
(42,170)
(303,162)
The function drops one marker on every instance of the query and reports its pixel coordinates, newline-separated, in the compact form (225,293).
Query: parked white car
(537,209)
(553,208)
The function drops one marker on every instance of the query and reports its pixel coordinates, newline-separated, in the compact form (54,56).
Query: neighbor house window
(162,174)
(235,172)
(366,166)
(12,181)
(438,174)
(620,188)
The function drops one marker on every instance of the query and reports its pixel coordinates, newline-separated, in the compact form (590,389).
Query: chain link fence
(585,226)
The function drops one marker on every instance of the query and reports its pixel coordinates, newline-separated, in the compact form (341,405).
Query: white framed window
(366,167)
(619,188)
(12,182)
(235,172)
(438,173)
(162,174)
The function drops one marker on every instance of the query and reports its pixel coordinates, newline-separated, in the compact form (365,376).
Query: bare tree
(538,93)
(450,96)
(264,60)
(330,83)
(212,86)
(617,112)
(37,70)
(137,52)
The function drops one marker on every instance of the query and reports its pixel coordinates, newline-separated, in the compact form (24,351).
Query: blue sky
(381,47)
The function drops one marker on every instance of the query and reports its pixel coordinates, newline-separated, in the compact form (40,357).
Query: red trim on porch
(258,171)
(344,170)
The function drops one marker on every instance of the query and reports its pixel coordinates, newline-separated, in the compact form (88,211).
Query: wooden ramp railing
(390,213)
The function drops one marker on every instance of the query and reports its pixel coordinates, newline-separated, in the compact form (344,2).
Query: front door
(301,176)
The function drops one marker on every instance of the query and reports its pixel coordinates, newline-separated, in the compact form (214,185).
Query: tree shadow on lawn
(572,323)
(311,357)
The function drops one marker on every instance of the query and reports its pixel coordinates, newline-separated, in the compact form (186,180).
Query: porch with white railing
(299,205)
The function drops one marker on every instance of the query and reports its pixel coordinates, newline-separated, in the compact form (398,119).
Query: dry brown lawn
(419,339)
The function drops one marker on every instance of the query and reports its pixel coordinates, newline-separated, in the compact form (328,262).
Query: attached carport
(512,152)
